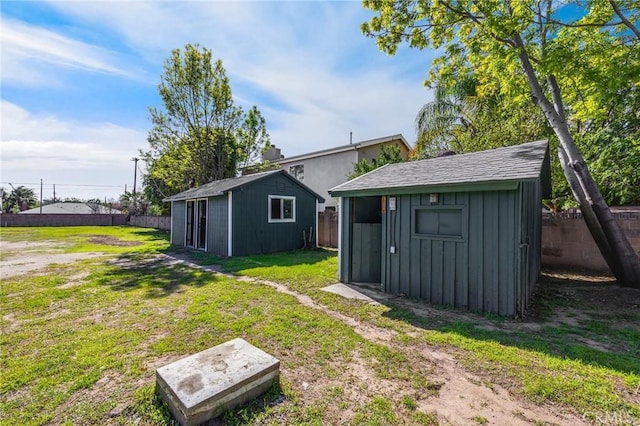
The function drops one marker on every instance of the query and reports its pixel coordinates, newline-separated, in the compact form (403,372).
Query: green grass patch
(82,340)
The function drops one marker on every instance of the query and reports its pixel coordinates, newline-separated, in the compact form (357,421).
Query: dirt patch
(20,265)
(112,241)
(456,396)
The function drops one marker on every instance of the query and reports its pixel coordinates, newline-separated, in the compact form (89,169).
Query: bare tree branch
(624,19)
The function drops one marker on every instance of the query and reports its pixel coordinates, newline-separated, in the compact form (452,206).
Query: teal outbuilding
(460,230)
(259,213)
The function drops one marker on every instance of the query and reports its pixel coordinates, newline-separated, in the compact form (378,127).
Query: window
(446,222)
(297,171)
(282,208)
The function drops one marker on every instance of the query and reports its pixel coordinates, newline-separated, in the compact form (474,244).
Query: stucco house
(322,170)
(462,230)
(259,213)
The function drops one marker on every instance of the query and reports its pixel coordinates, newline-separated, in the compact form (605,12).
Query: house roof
(344,148)
(221,187)
(71,208)
(495,167)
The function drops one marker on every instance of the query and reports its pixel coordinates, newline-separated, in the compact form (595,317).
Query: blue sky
(77,79)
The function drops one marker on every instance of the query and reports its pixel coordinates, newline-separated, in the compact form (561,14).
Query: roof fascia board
(406,190)
(344,148)
(193,196)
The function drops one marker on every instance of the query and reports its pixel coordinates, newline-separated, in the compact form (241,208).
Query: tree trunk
(589,216)
(606,232)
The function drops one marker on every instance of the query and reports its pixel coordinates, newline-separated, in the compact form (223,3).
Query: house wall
(252,232)
(370,152)
(325,172)
(178,215)
(217,225)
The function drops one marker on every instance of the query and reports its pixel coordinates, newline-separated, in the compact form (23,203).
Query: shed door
(366,239)
(196,224)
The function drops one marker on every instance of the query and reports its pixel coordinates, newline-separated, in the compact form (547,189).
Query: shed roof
(221,187)
(492,167)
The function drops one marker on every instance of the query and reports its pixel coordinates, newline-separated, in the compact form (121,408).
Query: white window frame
(281,197)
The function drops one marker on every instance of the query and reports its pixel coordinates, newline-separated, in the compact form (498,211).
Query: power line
(63,184)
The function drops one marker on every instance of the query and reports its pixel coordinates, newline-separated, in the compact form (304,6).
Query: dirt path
(461,398)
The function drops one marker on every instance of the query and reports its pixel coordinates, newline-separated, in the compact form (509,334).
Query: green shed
(461,230)
(259,213)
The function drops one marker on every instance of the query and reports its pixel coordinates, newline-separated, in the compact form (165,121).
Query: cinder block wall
(158,222)
(566,241)
(62,219)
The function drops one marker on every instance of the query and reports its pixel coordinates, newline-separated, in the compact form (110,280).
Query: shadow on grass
(284,259)
(594,322)
(150,233)
(157,276)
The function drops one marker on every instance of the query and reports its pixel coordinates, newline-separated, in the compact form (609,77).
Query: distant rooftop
(347,147)
(71,208)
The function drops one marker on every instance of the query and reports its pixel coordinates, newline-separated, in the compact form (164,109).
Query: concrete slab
(200,387)
(360,293)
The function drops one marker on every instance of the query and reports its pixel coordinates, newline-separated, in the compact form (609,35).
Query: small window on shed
(282,208)
(438,222)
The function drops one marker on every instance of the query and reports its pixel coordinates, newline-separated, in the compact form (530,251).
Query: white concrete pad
(202,386)
(348,292)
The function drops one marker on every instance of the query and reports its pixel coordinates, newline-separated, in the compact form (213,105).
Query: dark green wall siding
(531,239)
(252,232)
(178,210)
(491,265)
(344,270)
(476,271)
(217,224)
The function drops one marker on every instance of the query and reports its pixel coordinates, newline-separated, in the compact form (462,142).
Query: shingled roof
(502,165)
(220,187)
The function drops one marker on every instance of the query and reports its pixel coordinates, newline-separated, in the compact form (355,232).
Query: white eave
(343,148)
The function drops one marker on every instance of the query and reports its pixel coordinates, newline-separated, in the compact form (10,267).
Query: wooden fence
(328,228)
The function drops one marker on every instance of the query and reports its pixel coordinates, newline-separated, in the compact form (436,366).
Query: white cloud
(305,65)
(35,147)
(28,52)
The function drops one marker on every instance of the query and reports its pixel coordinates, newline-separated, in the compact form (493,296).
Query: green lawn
(81,341)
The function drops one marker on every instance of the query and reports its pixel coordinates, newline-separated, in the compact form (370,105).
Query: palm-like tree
(21,197)
(452,111)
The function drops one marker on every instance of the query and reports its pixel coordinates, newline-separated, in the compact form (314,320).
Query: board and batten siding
(530,239)
(178,217)
(476,271)
(217,224)
(253,233)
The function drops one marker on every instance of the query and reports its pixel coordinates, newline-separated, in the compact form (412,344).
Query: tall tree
(200,135)
(526,48)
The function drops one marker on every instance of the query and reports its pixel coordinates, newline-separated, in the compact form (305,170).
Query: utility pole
(54,193)
(135,173)
(40,195)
